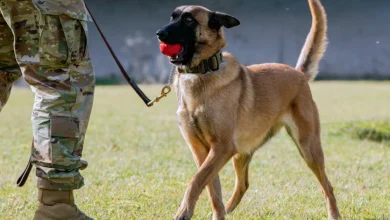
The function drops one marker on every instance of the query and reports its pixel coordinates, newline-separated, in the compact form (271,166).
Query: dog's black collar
(211,64)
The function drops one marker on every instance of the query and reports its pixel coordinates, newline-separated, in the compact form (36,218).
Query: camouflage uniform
(46,42)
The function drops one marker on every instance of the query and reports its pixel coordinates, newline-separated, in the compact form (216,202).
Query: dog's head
(199,32)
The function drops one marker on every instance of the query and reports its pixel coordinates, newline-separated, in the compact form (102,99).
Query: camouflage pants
(50,51)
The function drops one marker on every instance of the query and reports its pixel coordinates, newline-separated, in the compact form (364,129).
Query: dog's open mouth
(179,57)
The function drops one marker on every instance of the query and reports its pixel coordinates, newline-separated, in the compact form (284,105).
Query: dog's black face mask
(199,32)
(180,30)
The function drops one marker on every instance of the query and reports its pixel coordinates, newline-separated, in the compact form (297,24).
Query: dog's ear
(218,19)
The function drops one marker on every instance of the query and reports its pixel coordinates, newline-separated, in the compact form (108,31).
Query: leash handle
(134,85)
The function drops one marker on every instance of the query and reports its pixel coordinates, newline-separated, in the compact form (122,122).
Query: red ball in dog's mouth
(170,50)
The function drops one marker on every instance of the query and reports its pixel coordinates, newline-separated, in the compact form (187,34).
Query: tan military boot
(58,205)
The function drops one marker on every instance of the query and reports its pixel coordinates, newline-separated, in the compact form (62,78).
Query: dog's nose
(162,34)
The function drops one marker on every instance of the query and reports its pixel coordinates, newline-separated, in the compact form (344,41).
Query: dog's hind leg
(305,131)
(241,167)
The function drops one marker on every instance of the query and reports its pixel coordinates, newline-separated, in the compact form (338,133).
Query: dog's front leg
(218,156)
(200,153)
(215,194)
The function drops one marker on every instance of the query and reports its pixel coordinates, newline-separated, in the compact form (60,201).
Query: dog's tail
(316,42)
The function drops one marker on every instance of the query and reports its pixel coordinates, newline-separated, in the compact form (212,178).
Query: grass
(139,165)
(378,131)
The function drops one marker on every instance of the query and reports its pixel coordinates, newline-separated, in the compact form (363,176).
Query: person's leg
(51,52)
(64,87)
(9,69)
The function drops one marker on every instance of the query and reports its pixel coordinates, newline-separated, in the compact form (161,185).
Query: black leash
(141,94)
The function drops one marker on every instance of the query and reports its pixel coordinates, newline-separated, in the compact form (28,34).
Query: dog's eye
(188,19)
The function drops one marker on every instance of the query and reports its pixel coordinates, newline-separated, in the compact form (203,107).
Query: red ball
(170,49)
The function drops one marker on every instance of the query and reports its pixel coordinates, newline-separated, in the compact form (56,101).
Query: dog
(227,110)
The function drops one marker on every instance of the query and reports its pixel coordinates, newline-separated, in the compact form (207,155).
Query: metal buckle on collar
(211,64)
(214,58)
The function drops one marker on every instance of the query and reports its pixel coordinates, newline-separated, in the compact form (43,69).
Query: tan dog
(227,110)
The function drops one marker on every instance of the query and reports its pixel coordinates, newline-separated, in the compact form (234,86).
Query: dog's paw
(219,217)
(183,214)
(183,217)
(335,216)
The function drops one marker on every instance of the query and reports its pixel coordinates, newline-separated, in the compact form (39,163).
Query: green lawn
(139,164)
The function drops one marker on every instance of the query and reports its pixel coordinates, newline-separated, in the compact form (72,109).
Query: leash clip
(164,92)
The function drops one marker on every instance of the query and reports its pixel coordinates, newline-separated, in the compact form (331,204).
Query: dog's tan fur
(231,112)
